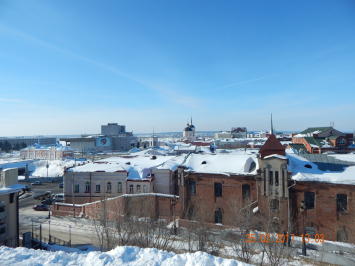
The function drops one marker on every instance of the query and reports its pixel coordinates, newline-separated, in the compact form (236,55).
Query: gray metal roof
(325,162)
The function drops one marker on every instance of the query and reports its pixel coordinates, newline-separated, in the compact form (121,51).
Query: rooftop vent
(128,163)
(308,166)
(154,157)
(204,162)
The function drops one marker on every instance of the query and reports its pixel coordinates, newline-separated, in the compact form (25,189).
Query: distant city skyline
(68,67)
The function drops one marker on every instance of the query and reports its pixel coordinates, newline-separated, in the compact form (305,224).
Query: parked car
(59,197)
(27,188)
(36,183)
(48,201)
(43,196)
(41,207)
(61,185)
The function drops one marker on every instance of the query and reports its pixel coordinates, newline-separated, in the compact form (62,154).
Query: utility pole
(73,195)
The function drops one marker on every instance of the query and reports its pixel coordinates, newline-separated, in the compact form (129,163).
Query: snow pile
(56,167)
(119,256)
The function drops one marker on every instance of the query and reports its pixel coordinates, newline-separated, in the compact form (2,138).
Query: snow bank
(118,256)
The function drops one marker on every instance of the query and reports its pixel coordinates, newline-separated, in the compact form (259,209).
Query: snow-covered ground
(118,256)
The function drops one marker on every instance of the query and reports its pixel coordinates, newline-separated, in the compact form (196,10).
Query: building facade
(323,140)
(9,204)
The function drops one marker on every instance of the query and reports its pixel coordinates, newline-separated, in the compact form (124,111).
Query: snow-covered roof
(139,167)
(221,163)
(98,167)
(11,189)
(302,173)
(172,164)
(276,156)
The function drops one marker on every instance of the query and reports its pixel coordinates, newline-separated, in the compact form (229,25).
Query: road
(82,231)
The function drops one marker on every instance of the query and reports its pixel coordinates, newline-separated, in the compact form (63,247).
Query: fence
(54,240)
(54,179)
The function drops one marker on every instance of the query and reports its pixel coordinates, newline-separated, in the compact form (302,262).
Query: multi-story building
(116,176)
(323,140)
(113,137)
(9,218)
(274,185)
(29,141)
(57,152)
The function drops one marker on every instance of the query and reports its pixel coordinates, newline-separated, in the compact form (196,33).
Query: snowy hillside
(118,256)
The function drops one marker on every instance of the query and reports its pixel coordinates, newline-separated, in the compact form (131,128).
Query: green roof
(312,129)
(317,141)
(297,146)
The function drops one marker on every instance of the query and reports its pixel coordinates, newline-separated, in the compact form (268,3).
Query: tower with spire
(189,132)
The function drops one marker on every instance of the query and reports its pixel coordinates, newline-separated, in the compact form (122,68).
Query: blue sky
(67,67)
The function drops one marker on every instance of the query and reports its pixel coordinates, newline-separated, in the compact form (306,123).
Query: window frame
(309,200)
(76,188)
(218,217)
(98,188)
(218,189)
(119,187)
(341,198)
(108,187)
(192,187)
(87,187)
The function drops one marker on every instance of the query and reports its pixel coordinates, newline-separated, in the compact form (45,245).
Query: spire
(191,119)
(272,128)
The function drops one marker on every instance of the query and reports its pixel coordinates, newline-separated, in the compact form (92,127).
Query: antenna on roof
(272,130)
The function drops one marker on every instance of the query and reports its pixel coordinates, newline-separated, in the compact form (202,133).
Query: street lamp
(302,210)
(49,226)
(70,235)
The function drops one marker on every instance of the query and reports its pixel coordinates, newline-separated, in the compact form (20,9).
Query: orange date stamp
(282,238)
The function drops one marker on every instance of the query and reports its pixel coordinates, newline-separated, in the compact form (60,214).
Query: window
(119,187)
(309,200)
(341,141)
(97,188)
(276,178)
(192,213)
(76,188)
(109,187)
(274,205)
(130,188)
(192,187)
(271,177)
(218,189)
(246,191)
(2,208)
(342,236)
(145,189)
(87,187)
(12,195)
(218,217)
(311,231)
(342,202)
(138,189)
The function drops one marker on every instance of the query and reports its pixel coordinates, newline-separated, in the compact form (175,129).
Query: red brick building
(323,139)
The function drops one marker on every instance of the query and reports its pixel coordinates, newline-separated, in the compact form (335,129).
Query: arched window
(145,189)
(98,187)
(130,188)
(138,188)
(119,187)
(108,187)
(87,187)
